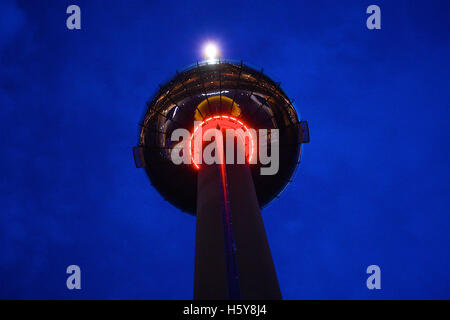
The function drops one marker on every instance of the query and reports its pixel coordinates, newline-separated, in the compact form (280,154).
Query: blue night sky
(372,188)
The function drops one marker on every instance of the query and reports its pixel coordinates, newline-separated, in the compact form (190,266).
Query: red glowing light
(229,119)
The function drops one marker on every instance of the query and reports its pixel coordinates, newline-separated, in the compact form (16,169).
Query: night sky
(372,188)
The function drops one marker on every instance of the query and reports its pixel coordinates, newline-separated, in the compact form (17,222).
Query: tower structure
(232,254)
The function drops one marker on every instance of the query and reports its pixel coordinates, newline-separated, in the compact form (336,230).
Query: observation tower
(232,254)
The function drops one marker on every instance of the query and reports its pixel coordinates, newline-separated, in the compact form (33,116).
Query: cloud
(13,19)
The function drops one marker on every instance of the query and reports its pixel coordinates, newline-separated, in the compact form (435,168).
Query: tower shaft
(232,254)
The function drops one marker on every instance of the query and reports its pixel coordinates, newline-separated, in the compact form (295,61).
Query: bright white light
(211,51)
